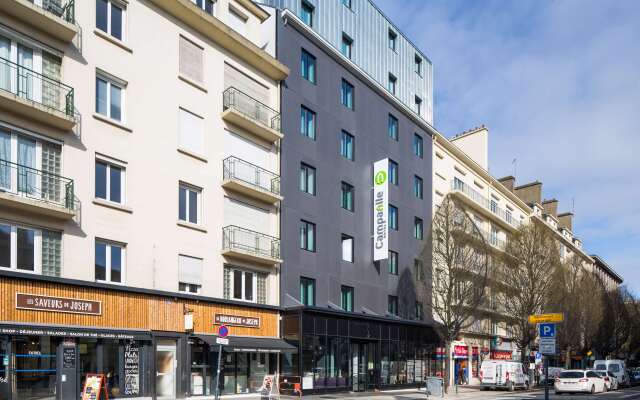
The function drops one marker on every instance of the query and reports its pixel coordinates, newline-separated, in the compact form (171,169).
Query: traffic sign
(222,341)
(223,331)
(547,330)
(541,318)
(547,345)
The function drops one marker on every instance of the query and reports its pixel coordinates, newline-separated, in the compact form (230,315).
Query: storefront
(148,344)
(341,352)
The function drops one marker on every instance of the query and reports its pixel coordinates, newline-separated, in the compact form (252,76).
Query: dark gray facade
(368,123)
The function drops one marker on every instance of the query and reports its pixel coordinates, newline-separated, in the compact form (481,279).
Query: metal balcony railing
(459,186)
(60,8)
(35,87)
(493,240)
(240,170)
(235,238)
(251,108)
(36,185)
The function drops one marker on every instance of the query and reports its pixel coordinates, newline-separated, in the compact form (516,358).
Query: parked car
(610,380)
(503,374)
(579,381)
(554,372)
(634,376)
(617,367)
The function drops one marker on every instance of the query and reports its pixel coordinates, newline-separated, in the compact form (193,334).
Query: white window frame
(13,246)
(14,42)
(343,240)
(232,278)
(112,81)
(123,180)
(123,249)
(188,286)
(121,5)
(198,192)
(13,158)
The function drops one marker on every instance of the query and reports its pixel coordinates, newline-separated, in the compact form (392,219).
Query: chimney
(566,220)
(530,192)
(551,207)
(509,182)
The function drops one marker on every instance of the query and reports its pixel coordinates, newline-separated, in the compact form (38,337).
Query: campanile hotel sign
(381,210)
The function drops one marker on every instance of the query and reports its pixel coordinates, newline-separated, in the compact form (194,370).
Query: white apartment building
(460,169)
(139,195)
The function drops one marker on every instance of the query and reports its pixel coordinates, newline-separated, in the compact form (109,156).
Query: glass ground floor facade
(339,352)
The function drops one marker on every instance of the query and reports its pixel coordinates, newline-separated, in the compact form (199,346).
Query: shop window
(35,366)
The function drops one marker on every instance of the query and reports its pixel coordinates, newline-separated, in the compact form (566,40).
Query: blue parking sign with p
(547,330)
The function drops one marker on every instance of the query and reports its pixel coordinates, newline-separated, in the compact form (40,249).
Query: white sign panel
(222,341)
(381,210)
(548,346)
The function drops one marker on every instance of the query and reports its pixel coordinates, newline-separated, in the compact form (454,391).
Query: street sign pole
(217,391)
(222,340)
(546,378)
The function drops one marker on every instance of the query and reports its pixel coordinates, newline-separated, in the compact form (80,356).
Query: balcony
(28,189)
(35,96)
(253,116)
(55,17)
(487,207)
(493,240)
(249,179)
(250,246)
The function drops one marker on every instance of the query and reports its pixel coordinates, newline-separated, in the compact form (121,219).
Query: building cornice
(567,242)
(601,263)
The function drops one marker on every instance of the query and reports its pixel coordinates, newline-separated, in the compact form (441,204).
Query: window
(418,102)
(419,311)
(346,94)
(347,248)
(110,18)
(243,285)
(494,206)
(458,184)
(418,270)
(109,262)
(417,186)
(393,127)
(308,65)
(308,291)
(509,216)
(30,250)
(109,182)
(307,123)
(347,194)
(306,13)
(189,200)
(393,217)
(191,133)
(346,298)
(494,236)
(347,142)
(191,60)
(393,39)
(418,149)
(189,274)
(346,45)
(393,172)
(392,307)
(392,84)
(346,3)
(393,262)
(418,65)
(109,98)
(307,236)
(206,5)
(307,179)
(418,229)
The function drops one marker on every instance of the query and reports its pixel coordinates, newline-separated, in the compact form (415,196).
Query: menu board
(93,385)
(68,357)
(131,369)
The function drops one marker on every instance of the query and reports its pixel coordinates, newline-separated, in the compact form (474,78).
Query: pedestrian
(464,375)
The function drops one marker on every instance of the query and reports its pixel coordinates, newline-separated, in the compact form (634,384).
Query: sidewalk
(405,394)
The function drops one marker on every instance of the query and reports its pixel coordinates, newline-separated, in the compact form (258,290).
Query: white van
(503,374)
(616,367)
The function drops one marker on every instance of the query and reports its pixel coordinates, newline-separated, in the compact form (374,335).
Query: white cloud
(558,84)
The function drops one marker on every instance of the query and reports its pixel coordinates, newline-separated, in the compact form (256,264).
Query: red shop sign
(501,355)
(460,351)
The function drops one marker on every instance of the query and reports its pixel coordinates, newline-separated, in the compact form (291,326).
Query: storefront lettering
(64,333)
(28,301)
(131,369)
(237,320)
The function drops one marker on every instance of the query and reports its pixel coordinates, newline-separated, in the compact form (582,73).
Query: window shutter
(191,60)
(191,132)
(190,270)
(51,253)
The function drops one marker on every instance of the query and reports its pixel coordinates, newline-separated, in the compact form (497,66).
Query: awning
(251,344)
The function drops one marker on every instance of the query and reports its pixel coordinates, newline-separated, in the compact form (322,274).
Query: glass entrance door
(166,369)
(363,374)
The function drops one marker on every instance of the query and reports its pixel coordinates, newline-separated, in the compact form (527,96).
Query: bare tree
(460,268)
(525,275)
(615,330)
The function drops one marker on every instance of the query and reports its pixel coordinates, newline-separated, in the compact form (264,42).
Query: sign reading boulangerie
(237,320)
(27,301)
(380,210)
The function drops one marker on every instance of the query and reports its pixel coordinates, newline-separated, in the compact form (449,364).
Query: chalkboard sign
(68,357)
(94,386)
(131,369)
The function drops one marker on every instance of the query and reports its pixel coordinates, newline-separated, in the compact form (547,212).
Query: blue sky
(558,85)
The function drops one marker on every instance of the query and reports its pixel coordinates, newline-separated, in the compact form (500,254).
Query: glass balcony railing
(35,87)
(60,8)
(239,170)
(246,241)
(37,185)
(459,186)
(251,108)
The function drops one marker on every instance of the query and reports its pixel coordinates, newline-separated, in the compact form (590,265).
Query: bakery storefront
(146,344)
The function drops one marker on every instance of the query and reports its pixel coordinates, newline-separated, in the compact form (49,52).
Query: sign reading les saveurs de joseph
(380,210)
(237,320)
(27,301)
